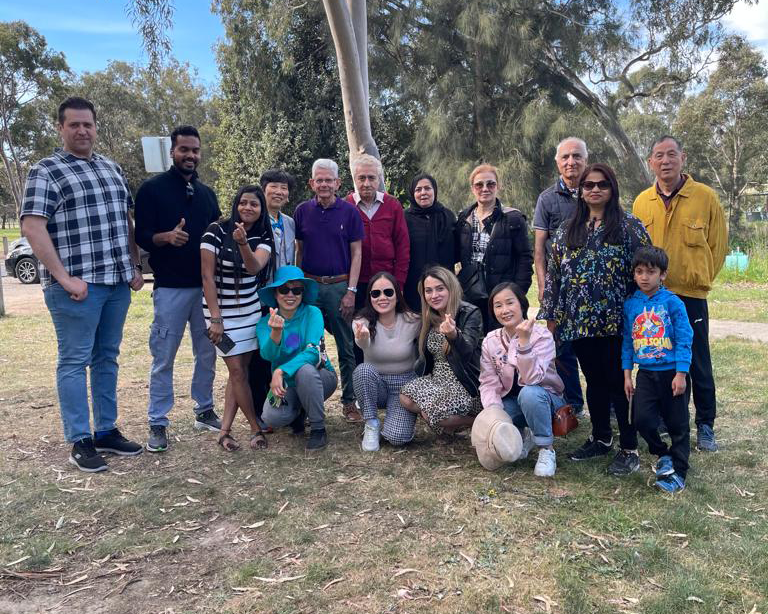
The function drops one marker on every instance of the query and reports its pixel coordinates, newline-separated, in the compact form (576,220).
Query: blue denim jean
(174,307)
(88,333)
(534,408)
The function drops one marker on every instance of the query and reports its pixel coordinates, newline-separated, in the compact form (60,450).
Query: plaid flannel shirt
(86,203)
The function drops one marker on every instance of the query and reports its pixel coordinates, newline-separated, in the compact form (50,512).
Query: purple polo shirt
(326,235)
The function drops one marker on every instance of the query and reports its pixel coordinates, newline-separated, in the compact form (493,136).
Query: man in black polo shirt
(555,205)
(173,210)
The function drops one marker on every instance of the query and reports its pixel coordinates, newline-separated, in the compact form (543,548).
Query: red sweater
(386,246)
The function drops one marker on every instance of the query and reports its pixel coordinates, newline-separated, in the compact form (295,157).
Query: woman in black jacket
(492,243)
(430,228)
(446,393)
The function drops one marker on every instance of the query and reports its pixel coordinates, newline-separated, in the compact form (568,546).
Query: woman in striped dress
(237,259)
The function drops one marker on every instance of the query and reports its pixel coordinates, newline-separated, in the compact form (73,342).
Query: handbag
(563,421)
(472,280)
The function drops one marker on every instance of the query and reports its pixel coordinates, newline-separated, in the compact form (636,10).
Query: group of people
(413,336)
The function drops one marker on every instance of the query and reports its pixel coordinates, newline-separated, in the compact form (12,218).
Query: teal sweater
(294,351)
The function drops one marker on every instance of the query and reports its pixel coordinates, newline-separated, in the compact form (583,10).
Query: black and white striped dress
(239,303)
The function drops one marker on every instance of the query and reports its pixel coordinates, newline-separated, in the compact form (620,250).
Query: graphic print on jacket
(649,333)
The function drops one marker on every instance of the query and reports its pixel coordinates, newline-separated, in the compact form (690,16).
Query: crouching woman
(518,374)
(291,339)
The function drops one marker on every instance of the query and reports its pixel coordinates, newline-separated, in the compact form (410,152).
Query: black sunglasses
(296,290)
(389,292)
(590,185)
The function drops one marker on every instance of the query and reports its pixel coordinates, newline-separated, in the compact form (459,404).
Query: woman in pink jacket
(517,373)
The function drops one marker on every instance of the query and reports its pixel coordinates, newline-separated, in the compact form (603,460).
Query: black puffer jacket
(464,357)
(508,256)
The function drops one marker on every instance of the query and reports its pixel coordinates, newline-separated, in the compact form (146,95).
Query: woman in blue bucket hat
(291,339)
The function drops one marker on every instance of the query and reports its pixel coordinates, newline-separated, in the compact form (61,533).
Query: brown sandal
(227,442)
(258,441)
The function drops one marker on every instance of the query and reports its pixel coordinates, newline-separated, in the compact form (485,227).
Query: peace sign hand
(448,327)
(239,234)
(276,321)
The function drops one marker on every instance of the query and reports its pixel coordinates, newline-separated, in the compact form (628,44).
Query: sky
(90,33)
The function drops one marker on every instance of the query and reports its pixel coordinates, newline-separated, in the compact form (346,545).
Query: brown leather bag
(563,422)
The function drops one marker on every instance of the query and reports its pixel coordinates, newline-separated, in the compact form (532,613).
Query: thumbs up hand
(177,237)
(239,234)
(448,327)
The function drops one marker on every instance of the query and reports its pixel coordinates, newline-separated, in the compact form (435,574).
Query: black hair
(650,256)
(276,175)
(370,314)
(75,102)
(261,227)
(661,139)
(416,180)
(516,290)
(576,229)
(184,131)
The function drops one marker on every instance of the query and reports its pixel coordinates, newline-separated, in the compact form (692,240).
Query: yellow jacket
(692,232)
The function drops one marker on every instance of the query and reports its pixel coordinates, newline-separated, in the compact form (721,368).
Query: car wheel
(26,271)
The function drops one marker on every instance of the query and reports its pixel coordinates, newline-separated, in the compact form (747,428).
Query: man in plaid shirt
(76,216)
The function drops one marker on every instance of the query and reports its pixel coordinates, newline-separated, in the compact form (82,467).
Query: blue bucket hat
(283,275)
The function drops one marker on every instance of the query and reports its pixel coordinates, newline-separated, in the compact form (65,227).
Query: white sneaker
(528,443)
(371,438)
(546,465)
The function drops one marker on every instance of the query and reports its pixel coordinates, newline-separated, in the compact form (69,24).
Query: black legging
(600,361)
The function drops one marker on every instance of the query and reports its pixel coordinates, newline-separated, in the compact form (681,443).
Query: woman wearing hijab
(430,229)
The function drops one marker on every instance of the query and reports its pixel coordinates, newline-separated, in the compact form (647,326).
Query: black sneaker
(317,439)
(591,449)
(624,463)
(297,426)
(208,421)
(85,457)
(114,442)
(158,440)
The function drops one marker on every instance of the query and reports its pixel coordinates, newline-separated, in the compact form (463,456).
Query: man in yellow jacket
(685,218)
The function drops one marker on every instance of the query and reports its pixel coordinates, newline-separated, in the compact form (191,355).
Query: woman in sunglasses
(492,243)
(236,258)
(291,339)
(446,393)
(386,330)
(588,279)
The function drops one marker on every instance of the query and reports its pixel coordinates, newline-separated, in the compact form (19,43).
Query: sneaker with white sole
(158,439)
(371,433)
(114,442)
(208,421)
(664,466)
(85,457)
(546,463)
(528,443)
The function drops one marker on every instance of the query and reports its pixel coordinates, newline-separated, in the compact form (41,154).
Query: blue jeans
(568,369)
(88,333)
(328,300)
(534,408)
(174,307)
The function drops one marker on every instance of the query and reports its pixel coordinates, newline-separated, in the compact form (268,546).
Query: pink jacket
(501,356)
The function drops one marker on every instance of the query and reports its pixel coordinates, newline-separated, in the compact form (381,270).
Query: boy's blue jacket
(657,334)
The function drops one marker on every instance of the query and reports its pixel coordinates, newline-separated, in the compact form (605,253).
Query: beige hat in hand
(496,439)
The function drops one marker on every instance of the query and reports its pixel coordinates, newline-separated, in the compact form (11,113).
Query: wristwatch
(216,321)
(352,289)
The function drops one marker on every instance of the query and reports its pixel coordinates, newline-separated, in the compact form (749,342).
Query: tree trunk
(354,84)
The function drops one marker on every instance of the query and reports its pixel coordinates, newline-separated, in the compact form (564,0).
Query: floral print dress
(586,286)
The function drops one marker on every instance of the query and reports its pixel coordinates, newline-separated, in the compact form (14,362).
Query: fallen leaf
(279,580)
(75,581)
(332,582)
(194,481)
(17,561)
(255,525)
(404,571)
(469,559)
(694,598)
(280,511)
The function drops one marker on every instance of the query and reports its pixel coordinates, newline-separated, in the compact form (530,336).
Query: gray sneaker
(705,439)
(158,440)
(208,421)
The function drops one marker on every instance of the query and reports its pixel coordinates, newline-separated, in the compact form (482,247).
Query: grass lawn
(424,529)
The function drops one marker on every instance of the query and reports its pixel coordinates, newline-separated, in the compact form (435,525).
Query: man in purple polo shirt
(329,235)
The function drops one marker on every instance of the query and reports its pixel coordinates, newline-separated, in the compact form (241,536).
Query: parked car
(22,263)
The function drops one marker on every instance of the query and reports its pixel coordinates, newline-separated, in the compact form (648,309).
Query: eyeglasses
(296,290)
(388,292)
(479,185)
(591,185)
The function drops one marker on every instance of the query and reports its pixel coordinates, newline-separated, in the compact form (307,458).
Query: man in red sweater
(386,246)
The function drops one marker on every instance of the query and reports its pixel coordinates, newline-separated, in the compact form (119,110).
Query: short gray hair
(572,138)
(365,160)
(326,164)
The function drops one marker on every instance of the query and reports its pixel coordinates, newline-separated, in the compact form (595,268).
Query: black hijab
(438,219)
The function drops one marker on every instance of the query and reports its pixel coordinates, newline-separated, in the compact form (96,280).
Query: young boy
(657,336)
